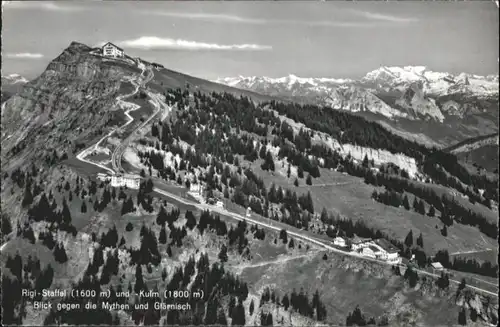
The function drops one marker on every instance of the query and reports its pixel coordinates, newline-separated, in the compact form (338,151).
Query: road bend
(81,156)
(116,157)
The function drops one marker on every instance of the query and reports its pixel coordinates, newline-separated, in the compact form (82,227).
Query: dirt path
(281,260)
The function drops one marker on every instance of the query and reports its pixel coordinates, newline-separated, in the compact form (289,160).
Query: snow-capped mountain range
(14,79)
(411,92)
(12,84)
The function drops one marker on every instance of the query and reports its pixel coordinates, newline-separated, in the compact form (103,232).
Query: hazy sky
(219,39)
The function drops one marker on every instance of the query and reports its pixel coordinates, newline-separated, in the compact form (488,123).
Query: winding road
(116,157)
(81,156)
(116,160)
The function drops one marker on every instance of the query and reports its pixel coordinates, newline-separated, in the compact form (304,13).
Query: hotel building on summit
(113,51)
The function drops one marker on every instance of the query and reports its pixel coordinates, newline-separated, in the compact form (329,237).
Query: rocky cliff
(71,102)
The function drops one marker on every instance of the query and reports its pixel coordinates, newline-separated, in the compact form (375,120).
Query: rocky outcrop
(71,101)
(377,155)
(417,104)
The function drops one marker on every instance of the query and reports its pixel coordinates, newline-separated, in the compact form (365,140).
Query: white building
(103,177)
(370,251)
(359,243)
(437,266)
(196,188)
(128,180)
(111,50)
(388,252)
(339,241)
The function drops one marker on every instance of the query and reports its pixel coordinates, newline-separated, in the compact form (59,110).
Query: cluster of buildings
(118,180)
(380,249)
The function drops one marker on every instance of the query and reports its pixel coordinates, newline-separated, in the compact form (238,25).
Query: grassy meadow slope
(480,152)
(345,283)
(166,79)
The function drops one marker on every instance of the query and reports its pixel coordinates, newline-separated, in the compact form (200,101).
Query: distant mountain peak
(14,79)
(407,92)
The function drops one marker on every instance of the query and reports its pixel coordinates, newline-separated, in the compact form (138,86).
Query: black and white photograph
(249,163)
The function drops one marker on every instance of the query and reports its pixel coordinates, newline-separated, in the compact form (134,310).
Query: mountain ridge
(393,74)
(399,96)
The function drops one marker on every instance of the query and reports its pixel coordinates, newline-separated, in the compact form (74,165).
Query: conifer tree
(6,225)
(473,314)
(223,254)
(462,317)
(190,220)
(365,161)
(300,171)
(409,239)
(60,253)
(162,217)
(29,234)
(238,316)
(420,241)
(163,235)
(28,197)
(66,214)
(211,312)
(139,282)
(406,202)
(221,317)
(164,274)
(266,319)
(285,302)
(432,211)
(231,305)
(122,242)
(415,204)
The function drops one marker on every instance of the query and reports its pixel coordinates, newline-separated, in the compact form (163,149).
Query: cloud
(382,17)
(226,18)
(327,23)
(42,5)
(24,55)
(208,17)
(153,42)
